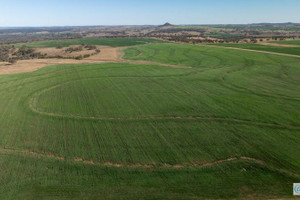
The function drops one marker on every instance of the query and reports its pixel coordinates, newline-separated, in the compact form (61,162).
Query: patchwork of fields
(226,127)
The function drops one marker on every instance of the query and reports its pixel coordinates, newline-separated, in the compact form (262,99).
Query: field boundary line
(190,118)
(252,50)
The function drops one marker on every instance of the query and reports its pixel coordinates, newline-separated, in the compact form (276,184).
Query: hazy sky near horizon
(140,12)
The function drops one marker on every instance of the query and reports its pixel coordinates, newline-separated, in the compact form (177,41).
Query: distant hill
(166,24)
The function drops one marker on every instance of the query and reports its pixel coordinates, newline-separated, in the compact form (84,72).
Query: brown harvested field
(62,52)
(107,54)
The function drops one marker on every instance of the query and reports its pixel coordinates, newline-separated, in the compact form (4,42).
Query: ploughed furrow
(30,153)
(177,166)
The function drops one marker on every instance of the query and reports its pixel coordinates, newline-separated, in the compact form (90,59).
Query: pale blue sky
(139,12)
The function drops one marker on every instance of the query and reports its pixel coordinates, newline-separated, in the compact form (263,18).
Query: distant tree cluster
(74,49)
(77,49)
(5,52)
(89,46)
(11,54)
(80,48)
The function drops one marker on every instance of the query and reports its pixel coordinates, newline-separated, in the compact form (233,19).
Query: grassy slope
(238,70)
(113,42)
(222,83)
(287,50)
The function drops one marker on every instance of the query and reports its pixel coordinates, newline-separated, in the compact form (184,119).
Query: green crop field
(113,42)
(227,127)
(259,47)
(292,42)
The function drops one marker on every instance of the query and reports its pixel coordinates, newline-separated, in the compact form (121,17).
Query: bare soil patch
(52,52)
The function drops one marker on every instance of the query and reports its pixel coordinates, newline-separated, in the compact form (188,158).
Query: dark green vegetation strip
(259,47)
(291,42)
(147,115)
(113,42)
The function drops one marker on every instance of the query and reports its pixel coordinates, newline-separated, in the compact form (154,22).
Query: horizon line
(55,26)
